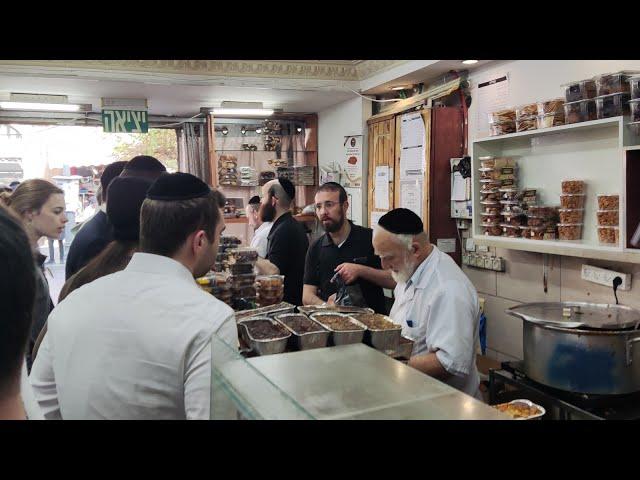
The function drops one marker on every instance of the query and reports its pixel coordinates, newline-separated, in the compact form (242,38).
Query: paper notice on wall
(381,192)
(412,162)
(375,217)
(411,195)
(459,190)
(352,163)
(447,245)
(492,95)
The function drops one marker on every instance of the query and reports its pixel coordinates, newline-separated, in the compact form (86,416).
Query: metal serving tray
(384,340)
(266,346)
(310,309)
(268,311)
(342,337)
(405,349)
(305,341)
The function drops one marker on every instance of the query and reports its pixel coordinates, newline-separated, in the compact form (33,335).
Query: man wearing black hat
(435,302)
(144,166)
(260,229)
(96,233)
(136,344)
(287,241)
(345,251)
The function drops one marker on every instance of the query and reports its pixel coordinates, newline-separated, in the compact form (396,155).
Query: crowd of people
(130,337)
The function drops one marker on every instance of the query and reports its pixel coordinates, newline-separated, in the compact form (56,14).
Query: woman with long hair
(124,202)
(40,205)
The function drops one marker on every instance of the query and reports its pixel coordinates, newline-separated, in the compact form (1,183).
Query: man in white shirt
(435,302)
(260,229)
(136,344)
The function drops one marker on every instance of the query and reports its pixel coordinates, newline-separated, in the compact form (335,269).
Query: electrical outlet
(482,248)
(605,277)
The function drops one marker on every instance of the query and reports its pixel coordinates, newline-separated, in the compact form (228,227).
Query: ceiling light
(225,130)
(299,129)
(254,112)
(52,107)
(243,130)
(258,130)
(469,62)
(401,87)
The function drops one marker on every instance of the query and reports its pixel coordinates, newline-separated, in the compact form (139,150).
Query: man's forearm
(309,297)
(265,267)
(429,364)
(382,278)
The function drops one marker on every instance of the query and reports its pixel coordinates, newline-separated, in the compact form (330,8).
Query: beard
(267,212)
(333,226)
(405,273)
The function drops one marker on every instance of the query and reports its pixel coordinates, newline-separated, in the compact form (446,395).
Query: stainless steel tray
(263,347)
(342,337)
(581,315)
(269,311)
(384,340)
(310,309)
(405,349)
(305,341)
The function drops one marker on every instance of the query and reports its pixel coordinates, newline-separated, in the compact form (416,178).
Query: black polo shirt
(287,246)
(324,256)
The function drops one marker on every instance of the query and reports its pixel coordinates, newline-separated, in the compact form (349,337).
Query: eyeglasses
(327,205)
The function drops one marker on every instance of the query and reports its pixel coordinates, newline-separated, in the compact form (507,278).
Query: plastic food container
(503,173)
(569,231)
(541,211)
(510,230)
(550,120)
(528,110)
(503,128)
(580,111)
(635,127)
(241,268)
(491,207)
(270,281)
(572,186)
(609,83)
(608,202)
(550,106)
(505,115)
(635,109)
(526,123)
(608,235)
(608,218)
(572,200)
(580,90)
(534,221)
(248,291)
(537,232)
(634,86)
(493,196)
(612,105)
(494,230)
(242,255)
(549,233)
(571,215)
(512,219)
(490,218)
(509,193)
(240,281)
(525,231)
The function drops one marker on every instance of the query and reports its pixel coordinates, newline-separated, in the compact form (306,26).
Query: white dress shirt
(132,345)
(31,407)
(438,309)
(259,240)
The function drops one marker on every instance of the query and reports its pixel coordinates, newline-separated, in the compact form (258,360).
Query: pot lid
(599,316)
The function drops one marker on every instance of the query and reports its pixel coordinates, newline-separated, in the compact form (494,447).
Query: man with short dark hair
(144,166)
(96,233)
(136,344)
(345,250)
(17,293)
(287,241)
(260,229)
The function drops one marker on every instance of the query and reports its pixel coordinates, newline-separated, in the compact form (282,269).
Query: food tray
(311,309)
(269,311)
(305,340)
(503,407)
(405,348)
(383,339)
(342,337)
(270,346)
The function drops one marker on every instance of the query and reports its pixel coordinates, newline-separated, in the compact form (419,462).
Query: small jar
(608,235)
(608,202)
(571,200)
(569,231)
(608,218)
(572,186)
(571,215)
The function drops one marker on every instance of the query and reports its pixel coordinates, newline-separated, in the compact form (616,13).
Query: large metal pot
(589,356)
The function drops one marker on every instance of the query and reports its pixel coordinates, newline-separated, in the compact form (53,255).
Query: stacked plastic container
(580,105)
(572,210)
(228,170)
(608,218)
(541,222)
(241,263)
(503,121)
(613,94)
(497,176)
(217,284)
(269,289)
(550,113)
(227,242)
(526,117)
(634,103)
(248,177)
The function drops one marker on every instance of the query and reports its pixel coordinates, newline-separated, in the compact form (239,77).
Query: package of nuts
(490,207)
(580,90)
(512,219)
(550,106)
(493,230)
(528,110)
(505,115)
(608,235)
(550,120)
(503,128)
(496,162)
(525,231)
(509,193)
(571,200)
(490,218)
(608,218)
(608,202)
(569,231)
(537,232)
(493,196)
(571,215)
(510,230)
(526,123)
(580,111)
(534,221)
(573,186)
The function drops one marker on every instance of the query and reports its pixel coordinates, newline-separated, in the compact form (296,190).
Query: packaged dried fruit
(571,215)
(270,281)
(242,255)
(526,123)
(613,105)
(503,128)
(525,231)
(534,221)
(505,115)
(569,231)
(512,219)
(608,235)
(608,218)
(580,90)
(572,200)
(550,106)
(537,233)
(490,207)
(240,281)
(573,186)
(580,111)
(496,162)
(493,230)
(493,196)
(550,120)
(510,230)
(490,218)
(608,202)
(610,83)
(509,193)
(528,110)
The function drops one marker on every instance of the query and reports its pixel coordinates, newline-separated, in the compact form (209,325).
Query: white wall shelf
(594,151)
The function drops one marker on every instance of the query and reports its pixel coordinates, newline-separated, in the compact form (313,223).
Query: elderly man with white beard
(435,303)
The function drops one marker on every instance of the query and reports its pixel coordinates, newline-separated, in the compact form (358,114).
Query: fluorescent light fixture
(257,112)
(401,87)
(51,107)
(469,62)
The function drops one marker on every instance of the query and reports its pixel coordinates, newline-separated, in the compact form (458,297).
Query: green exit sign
(125,121)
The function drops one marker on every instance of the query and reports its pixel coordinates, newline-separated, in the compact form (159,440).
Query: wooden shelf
(556,247)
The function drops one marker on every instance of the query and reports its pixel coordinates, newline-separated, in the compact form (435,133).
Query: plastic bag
(349,295)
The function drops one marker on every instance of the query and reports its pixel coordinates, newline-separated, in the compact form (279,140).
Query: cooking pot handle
(629,349)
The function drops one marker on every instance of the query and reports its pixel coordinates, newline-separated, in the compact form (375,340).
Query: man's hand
(349,272)
(332,299)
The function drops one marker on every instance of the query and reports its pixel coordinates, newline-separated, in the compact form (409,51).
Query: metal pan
(269,311)
(263,346)
(342,337)
(305,341)
(405,348)
(310,309)
(384,340)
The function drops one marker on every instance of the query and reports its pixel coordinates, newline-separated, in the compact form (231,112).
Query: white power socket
(605,277)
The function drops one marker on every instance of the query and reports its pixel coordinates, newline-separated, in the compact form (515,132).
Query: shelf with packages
(227,150)
(602,153)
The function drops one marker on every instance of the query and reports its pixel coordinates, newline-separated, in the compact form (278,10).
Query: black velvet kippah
(401,221)
(254,200)
(145,163)
(288,187)
(173,187)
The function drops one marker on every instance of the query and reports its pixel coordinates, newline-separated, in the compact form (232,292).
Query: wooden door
(382,141)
